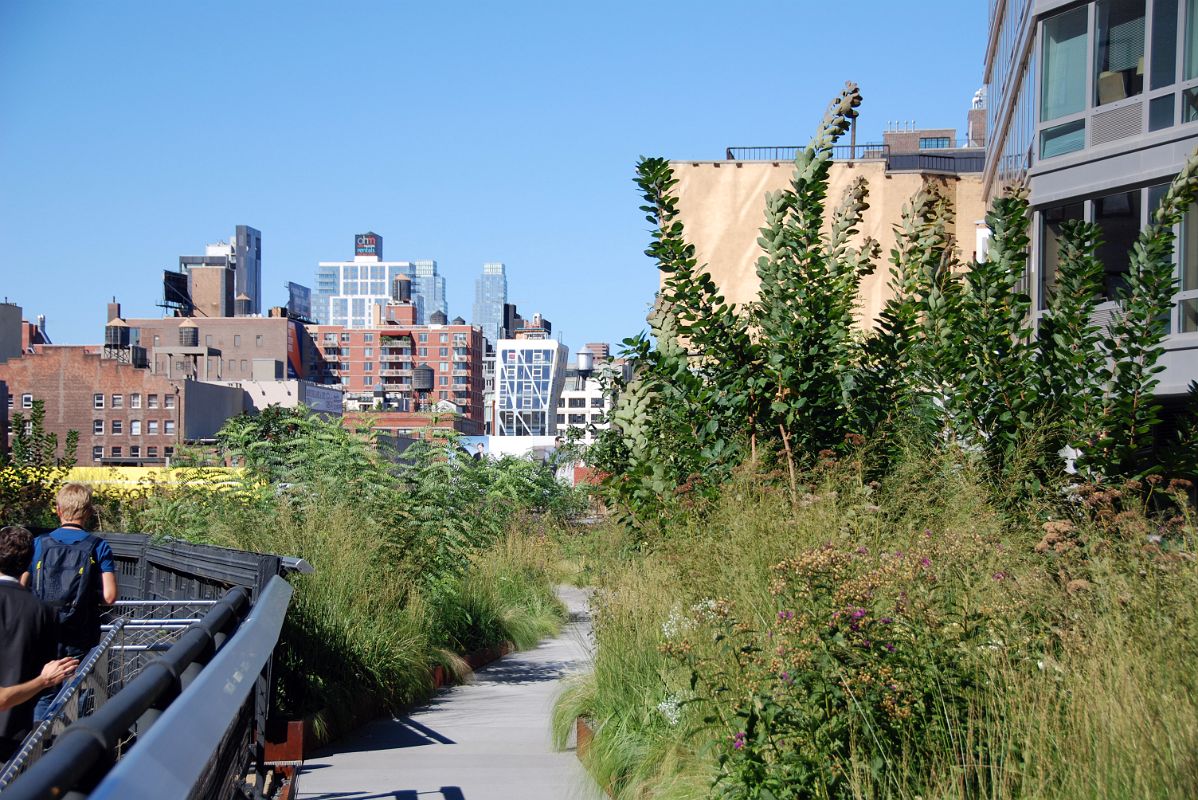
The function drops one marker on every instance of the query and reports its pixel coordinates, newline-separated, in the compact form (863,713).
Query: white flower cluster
(675,625)
(671,709)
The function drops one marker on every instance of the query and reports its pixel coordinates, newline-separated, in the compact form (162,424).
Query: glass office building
(490,295)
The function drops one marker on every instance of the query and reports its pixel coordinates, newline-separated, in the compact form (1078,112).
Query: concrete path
(489,740)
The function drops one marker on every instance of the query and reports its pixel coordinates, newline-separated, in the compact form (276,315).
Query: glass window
(1119,217)
(368,367)
(443,338)
(933,142)
(1191,45)
(97,401)
(26,401)
(561,419)
(1189,250)
(116,451)
(345,337)
(258,340)
(1062,139)
(135,451)
(1051,220)
(1160,112)
(208,340)
(97,452)
(168,401)
(369,352)
(578,419)
(168,451)
(151,426)
(152,401)
(118,401)
(152,451)
(1189,104)
(1118,50)
(368,337)
(117,426)
(98,427)
(1063,79)
(596,402)
(443,380)
(577,402)
(1164,43)
(168,426)
(135,427)
(135,401)
(423,338)
(237,340)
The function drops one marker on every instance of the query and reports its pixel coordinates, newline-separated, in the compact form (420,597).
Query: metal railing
(840,152)
(922,161)
(80,754)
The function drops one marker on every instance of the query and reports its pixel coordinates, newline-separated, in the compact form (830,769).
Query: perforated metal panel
(1116,124)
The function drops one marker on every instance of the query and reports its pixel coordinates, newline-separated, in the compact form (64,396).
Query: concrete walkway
(489,740)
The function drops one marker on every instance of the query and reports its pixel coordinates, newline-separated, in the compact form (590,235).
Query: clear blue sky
(134,132)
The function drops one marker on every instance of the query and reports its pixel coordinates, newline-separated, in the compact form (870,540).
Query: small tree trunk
(790,466)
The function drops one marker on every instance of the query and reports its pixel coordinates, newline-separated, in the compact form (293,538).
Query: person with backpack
(73,572)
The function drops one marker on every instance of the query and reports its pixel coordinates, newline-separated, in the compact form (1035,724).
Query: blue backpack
(67,579)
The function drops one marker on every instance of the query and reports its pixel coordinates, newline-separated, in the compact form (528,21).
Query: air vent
(1116,124)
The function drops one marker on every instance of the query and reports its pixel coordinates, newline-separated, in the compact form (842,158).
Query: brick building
(379,370)
(124,414)
(227,348)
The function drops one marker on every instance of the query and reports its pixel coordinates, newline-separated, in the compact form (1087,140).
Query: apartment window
(117,452)
(1118,50)
(168,426)
(98,452)
(368,337)
(366,380)
(444,352)
(368,367)
(152,451)
(1188,297)
(423,338)
(244,368)
(443,380)
(1063,77)
(1118,215)
(345,337)
(117,426)
(561,419)
(443,338)
(1051,222)
(445,366)
(168,401)
(135,451)
(208,340)
(578,419)
(934,142)
(155,341)
(577,402)
(98,427)
(596,402)
(368,352)
(10,401)
(135,427)
(118,401)
(345,352)
(561,402)
(258,340)
(151,426)
(151,401)
(26,401)
(97,401)
(237,340)
(443,395)
(1163,67)
(135,401)
(424,352)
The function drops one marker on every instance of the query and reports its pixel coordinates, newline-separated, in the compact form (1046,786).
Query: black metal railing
(956,162)
(82,753)
(840,152)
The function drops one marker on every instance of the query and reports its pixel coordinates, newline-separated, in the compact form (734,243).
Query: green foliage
(32,473)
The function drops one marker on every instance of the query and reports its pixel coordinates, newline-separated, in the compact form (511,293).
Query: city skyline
(135,170)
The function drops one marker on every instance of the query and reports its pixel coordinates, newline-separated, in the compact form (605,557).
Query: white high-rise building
(529,375)
(346,292)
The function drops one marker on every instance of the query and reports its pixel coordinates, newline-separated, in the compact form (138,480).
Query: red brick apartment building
(124,414)
(379,369)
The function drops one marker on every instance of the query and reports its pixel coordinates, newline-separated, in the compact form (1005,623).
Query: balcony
(950,160)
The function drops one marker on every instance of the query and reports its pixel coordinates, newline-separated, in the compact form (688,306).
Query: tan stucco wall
(722,206)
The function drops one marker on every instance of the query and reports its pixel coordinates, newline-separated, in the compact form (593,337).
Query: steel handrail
(171,759)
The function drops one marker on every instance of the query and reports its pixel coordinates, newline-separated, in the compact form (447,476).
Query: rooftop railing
(954,159)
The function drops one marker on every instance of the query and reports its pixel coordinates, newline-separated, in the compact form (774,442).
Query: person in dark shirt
(27,630)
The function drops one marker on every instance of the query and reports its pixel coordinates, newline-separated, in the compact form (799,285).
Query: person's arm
(53,673)
(25,579)
(108,586)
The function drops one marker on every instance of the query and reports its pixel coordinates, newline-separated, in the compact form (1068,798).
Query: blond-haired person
(73,572)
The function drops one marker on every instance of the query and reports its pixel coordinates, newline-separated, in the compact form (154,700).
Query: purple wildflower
(786,678)
(863,551)
(738,741)
(785,615)
(889,647)
(925,562)
(998,576)
(858,613)
(886,620)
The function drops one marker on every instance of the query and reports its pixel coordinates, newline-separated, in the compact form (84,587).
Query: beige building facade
(722,207)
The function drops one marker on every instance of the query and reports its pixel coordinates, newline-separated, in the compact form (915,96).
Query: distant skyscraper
(347,291)
(490,295)
(242,257)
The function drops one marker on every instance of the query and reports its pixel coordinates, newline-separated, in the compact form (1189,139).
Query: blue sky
(134,132)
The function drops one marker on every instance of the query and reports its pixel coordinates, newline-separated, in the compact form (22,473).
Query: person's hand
(55,672)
